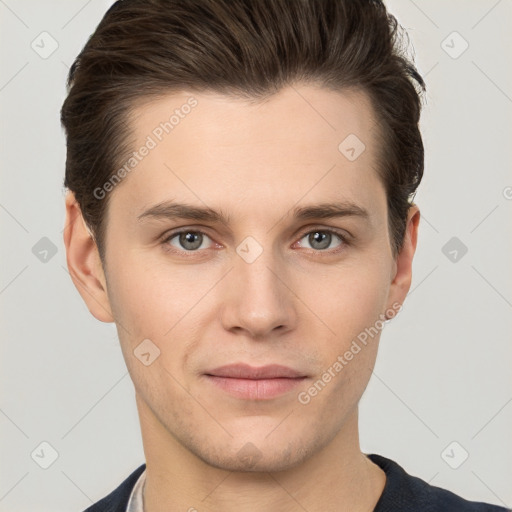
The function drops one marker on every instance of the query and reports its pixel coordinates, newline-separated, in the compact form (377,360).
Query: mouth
(255,383)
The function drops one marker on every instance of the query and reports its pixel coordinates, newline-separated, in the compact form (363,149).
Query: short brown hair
(245,49)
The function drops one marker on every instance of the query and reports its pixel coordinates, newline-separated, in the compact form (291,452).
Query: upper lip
(245,371)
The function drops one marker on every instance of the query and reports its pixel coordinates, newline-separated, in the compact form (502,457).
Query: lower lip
(256,389)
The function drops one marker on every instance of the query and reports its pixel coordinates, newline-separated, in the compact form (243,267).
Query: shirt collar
(136,502)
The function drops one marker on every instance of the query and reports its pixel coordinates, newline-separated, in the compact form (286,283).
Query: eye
(187,240)
(321,239)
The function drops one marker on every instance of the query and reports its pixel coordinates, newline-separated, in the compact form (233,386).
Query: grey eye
(188,240)
(320,239)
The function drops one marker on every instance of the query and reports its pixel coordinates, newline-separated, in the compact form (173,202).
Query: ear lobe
(84,263)
(401,282)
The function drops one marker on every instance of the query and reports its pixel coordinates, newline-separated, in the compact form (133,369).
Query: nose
(258,301)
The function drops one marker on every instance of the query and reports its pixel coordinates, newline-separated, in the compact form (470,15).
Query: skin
(295,305)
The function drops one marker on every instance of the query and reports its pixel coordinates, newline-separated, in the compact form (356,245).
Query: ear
(84,263)
(402,267)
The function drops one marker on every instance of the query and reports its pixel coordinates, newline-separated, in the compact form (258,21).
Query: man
(240,178)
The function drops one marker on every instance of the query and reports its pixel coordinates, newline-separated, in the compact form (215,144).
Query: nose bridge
(259,301)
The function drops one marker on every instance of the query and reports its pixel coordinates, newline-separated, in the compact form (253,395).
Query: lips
(244,371)
(255,383)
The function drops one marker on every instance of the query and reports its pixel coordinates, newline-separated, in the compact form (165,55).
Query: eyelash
(343,238)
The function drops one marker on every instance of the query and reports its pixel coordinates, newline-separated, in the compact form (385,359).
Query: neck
(336,478)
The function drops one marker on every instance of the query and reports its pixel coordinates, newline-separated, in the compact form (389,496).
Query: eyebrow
(169,210)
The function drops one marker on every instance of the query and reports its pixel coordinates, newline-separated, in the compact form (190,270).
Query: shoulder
(403,492)
(117,500)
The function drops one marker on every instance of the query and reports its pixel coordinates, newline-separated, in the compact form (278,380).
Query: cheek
(152,301)
(150,313)
(350,300)
(150,298)
(352,309)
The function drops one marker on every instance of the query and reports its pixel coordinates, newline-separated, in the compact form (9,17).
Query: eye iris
(195,239)
(192,240)
(323,238)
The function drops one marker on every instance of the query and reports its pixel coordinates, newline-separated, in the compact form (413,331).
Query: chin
(255,462)
(251,457)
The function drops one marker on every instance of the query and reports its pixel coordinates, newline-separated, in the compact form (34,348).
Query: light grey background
(444,367)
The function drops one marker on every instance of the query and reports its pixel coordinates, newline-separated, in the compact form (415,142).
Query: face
(248,259)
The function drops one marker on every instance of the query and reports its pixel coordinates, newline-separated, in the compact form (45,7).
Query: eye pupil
(324,239)
(190,240)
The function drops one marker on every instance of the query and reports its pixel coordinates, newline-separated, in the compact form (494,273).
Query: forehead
(296,113)
(211,148)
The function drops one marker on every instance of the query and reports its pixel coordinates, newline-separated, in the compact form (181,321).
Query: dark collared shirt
(402,493)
